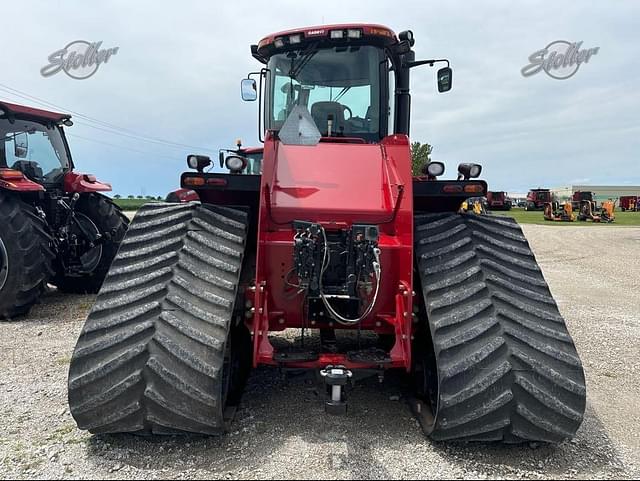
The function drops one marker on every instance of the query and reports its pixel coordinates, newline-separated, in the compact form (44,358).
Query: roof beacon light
(335,34)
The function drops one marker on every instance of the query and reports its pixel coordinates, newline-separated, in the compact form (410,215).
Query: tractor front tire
(112,224)
(25,256)
(162,351)
(498,363)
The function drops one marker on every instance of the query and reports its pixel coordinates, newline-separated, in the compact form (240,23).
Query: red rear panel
(330,182)
(335,185)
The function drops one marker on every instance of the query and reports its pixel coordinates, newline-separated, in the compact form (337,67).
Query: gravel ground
(594,274)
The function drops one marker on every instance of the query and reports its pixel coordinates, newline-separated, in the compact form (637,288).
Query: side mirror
(445,78)
(249,90)
(198,162)
(21,145)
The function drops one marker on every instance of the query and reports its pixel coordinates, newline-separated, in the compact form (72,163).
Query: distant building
(601,192)
(517,196)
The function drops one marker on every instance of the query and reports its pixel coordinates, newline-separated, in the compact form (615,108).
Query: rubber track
(508,369)
(149,358)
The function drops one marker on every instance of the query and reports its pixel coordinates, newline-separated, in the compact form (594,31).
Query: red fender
(83,183)
(15,180)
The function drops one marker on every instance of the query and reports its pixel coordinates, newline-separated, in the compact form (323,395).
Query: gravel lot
(281,430)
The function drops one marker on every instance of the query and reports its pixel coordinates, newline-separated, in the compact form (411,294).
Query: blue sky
(177,72)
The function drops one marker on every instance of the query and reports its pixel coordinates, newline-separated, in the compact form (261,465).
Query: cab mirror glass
(445,78)
(21,145)
(249,90)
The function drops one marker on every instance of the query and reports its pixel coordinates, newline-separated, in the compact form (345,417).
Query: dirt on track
(281,430)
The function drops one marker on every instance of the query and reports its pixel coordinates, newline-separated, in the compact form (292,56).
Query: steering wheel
(345,108)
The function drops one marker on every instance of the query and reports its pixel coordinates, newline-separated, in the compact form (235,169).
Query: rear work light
(297,38)
(337,34)
(278,42)
(354,33)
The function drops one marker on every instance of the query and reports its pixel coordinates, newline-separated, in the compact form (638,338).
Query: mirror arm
(424,62)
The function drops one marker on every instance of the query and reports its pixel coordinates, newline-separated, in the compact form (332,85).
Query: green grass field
(521,215)
(131,204)
(536,217)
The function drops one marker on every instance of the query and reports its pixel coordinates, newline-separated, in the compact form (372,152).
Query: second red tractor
(55,225)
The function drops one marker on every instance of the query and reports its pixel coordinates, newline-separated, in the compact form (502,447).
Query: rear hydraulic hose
(378,273)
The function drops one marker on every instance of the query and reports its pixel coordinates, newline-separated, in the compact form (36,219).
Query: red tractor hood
(333,182)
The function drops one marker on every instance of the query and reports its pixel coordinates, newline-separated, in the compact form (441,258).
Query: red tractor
(498,201)
(253,156)
(56,226)
(629,202)
(377,270)
(537,198)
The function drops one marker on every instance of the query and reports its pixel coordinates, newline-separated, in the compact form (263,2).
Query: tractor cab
(34,151)
(352,81)
(33,142)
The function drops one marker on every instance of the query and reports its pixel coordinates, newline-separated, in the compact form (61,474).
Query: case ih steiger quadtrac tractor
(333,238)
(54,225)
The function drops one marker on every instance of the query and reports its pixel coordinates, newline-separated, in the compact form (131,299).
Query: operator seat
(320,112)
(30,168)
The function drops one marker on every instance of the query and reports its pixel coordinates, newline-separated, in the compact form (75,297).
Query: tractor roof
(25,111)
(298,37)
